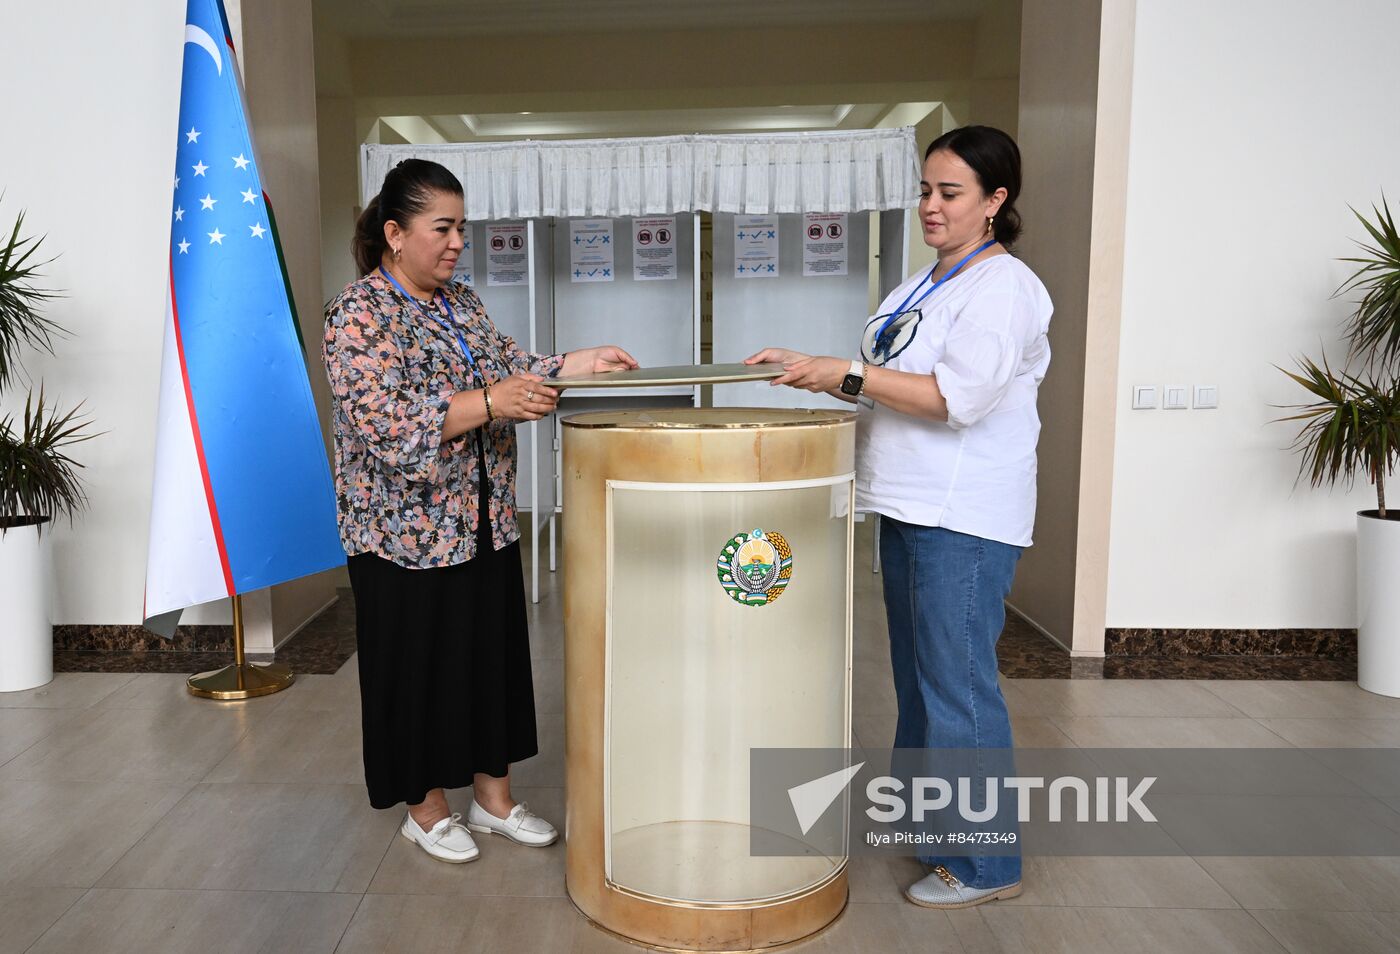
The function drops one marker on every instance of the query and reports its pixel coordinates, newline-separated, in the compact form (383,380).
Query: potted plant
(1352,426)
(38,480)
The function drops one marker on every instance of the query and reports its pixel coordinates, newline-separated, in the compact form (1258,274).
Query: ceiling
(486,115)
(435,18)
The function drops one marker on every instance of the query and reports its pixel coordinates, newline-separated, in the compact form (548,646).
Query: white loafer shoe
(942,889)
(521,826)
(446,841)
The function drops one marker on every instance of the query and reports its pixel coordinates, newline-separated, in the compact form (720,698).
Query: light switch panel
(1207,396)
(1144,397)
(1174,397)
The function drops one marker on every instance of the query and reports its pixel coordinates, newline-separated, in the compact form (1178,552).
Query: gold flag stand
(242,680)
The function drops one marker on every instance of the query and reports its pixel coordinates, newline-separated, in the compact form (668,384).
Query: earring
(991,221)
(396,254)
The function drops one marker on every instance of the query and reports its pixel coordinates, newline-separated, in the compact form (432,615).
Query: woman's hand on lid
(775,356)
(816,374)
(523,397)
(612,358)
(597,360)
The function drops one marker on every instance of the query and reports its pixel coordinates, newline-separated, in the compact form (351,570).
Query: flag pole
(242,680)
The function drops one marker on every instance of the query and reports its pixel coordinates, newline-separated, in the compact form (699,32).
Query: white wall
(91,156)
(1254,124)
(92,160)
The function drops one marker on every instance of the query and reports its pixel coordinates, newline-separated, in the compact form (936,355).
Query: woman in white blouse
(946,385)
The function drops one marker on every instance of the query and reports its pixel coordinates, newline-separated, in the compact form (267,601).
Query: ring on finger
(529,395)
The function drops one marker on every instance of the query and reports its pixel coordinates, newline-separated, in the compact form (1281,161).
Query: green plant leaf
(38,475)
(21,324)
(38,478)
(1374,328)
(1351,426)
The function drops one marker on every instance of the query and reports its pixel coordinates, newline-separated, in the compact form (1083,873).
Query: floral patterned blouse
(402,492)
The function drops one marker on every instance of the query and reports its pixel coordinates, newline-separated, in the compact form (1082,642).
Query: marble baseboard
(1217,667)
(322,646)
(1333,644)
(1023,652)
(137,639)
(70,660)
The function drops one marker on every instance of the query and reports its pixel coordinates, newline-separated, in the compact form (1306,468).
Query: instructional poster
(755,246)
(590,250)
(654,249)
(825,249)
(465,269)
(507,259)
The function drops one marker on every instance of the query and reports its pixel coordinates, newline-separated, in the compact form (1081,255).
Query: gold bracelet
(486,393)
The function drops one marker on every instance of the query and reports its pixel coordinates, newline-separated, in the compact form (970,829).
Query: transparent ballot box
(707,613)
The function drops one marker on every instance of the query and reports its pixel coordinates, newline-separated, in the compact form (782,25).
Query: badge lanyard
(450,324)
(932,288)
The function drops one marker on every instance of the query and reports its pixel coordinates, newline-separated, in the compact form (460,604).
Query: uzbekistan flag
(242,496)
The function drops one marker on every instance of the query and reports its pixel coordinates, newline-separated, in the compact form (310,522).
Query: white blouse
(983,337)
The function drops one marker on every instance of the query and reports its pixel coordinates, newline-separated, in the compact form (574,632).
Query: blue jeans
(944,598)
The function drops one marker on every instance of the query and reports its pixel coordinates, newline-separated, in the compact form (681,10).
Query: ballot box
(707,613)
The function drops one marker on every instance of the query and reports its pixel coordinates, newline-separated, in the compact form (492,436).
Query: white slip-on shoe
(446,841)
(942,889)
(521,826)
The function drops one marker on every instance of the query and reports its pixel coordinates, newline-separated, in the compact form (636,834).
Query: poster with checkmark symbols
(591,250)
(755,246)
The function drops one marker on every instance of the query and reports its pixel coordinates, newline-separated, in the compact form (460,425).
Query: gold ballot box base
(710,859)
(241,681)
(774,946)
(737,928)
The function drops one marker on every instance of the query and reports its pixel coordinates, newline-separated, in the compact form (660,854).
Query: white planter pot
(26,607)
(1378,602)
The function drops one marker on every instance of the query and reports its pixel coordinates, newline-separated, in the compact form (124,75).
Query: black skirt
(445,685)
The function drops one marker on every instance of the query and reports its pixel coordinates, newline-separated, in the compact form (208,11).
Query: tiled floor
(136,818)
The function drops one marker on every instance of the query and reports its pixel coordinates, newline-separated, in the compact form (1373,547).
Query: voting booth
(583,242)
(707,607)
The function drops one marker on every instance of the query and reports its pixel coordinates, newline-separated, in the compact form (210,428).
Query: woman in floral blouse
(426,397)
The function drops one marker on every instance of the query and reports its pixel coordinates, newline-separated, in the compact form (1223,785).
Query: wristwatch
(854,382)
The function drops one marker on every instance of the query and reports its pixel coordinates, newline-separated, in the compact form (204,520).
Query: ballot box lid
(686,375)
(703,418)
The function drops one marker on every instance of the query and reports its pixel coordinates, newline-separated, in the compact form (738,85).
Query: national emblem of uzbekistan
(754,568)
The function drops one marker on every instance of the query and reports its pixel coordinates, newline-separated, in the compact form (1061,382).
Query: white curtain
(871,169)
(787,176)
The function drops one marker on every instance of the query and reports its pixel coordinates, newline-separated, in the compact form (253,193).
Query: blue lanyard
(450,324)
(932,288)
